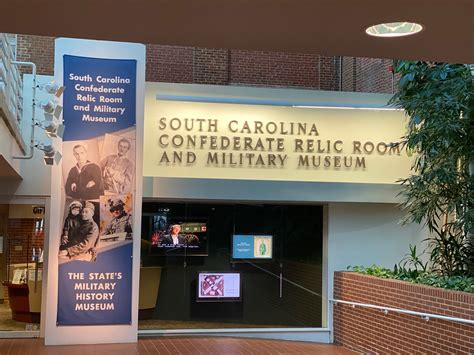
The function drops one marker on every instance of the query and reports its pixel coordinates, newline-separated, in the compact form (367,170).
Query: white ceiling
(327,27)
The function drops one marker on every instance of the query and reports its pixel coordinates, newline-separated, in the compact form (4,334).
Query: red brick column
(369,330)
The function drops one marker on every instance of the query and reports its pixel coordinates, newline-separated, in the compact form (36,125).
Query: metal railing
(10,77)
(11,88)
(386,310)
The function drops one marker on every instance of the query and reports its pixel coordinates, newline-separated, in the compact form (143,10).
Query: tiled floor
(172,345)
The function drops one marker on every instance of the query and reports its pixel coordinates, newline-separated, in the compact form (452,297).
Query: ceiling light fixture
(394,29)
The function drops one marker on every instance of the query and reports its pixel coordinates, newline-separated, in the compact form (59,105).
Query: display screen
(252,246)
(172,235)
(218,286)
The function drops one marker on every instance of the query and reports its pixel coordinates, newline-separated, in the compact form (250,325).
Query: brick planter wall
(369,330)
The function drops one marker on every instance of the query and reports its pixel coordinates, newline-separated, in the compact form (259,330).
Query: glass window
(230,265)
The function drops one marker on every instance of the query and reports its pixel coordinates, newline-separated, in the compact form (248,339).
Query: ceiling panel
(327,27)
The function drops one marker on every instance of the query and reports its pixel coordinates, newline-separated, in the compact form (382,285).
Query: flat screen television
(171,235)
(219,287)
(252,247)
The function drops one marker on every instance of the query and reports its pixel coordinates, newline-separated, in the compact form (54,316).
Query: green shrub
(459,283)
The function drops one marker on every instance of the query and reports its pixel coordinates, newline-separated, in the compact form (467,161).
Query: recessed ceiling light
(394,29)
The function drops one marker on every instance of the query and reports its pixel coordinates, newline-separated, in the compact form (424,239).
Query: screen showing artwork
(252,247)
(218,286)
(175,235)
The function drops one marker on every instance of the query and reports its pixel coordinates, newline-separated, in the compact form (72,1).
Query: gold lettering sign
(223,141)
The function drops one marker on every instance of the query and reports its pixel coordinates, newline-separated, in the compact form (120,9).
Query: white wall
(8,146)
(35,174)
(366,234)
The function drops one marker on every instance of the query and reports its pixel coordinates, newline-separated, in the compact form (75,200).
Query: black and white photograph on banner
(118,169)
(116,218)
(81,170)
(80,233)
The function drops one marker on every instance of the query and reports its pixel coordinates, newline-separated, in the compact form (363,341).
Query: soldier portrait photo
(116,218)
(81,171)
(117,167)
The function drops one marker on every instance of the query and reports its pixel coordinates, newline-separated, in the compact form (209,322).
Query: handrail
(33,108)
(425,316)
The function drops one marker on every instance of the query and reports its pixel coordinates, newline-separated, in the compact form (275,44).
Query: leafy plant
(438,99)
(373,270)
(459,282)
(409,261)
(449,251)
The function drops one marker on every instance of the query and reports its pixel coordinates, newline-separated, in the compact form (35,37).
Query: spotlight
(50,108)
(52,88)
(47,106)
(51,156)
(52,129)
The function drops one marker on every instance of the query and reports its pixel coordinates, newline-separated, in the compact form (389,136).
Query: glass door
(21,264)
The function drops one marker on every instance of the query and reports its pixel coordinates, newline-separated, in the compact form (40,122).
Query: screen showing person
(171,236)
(84,180)
(185,235)
(174,237)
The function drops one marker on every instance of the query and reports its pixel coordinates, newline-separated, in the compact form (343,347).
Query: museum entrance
(21,264)
(228,265)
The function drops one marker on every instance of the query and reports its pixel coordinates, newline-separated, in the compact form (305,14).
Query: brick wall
(211,66)
(372,331)
(39,50)
(178,64)
(169,64)
(367,75)
(22,233)
(349,76)
(373,75)
(259,68)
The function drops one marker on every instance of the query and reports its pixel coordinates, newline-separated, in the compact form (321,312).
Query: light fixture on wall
(52,128)
(52,88)
(394,29)
(52,125)
(51,109)
(50,155)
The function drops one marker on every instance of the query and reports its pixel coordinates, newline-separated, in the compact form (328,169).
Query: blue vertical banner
(95,268)
(100,96)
